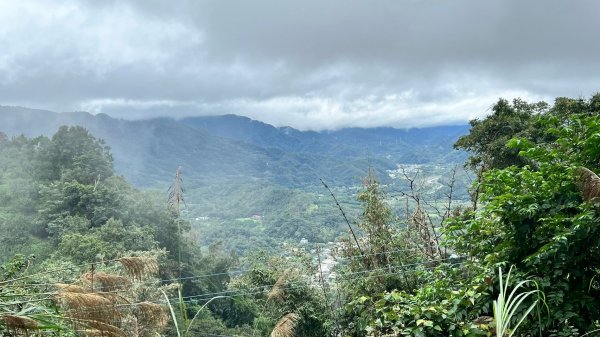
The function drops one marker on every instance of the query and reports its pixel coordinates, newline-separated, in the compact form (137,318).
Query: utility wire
(267,287)
(290,287)
(264,287)
(240,271)
(50,271)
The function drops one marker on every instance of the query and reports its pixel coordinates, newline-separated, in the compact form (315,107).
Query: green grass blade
(172,312)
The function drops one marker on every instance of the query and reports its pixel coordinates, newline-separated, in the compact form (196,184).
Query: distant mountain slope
(255,132)
(147,152)
(417,145)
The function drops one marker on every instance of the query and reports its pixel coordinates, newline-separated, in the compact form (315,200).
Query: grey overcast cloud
(310,64)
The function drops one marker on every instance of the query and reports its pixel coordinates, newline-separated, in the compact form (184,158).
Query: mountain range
(229,148)
(251,185)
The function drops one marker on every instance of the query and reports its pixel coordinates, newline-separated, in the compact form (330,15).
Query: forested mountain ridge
(405,145)
(231,147)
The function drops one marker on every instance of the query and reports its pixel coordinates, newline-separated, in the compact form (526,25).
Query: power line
(290,287)
(309,285)
(56,270)
(209,295)
(32,285)
(239,294)
(267,287)
(240,271)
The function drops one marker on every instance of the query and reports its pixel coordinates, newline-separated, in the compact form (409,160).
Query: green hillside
(235,168)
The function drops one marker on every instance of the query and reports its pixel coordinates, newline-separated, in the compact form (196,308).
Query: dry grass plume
(101,305)
(71,288)
(97,328)
(277,293)
(19,325)
(589,183)
(139,267)
(107,282)
(92,307)
(286,325)
(152,314)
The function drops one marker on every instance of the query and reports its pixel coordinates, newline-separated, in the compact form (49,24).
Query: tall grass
(184,330)
(506,308)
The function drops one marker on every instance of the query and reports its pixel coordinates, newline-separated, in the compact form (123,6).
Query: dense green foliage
(487,138)
(63,207)
(534,209)
(536,218)
(63,194)
(253,214)
(416,263)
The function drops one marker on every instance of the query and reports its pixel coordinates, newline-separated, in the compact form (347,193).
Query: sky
(309,64)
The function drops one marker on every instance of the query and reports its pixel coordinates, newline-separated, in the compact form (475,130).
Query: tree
(282,288)
(536,217)
(538,211)
(378,248)
(77,155)
(487,138)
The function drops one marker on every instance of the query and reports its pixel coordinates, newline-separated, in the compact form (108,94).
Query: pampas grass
(98,328)
(99,304)
(589,183)
(93,307)
(19,325)
(151,314)
(108,282)
(71,288)
(139,267)
(277,292)
(286,325)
